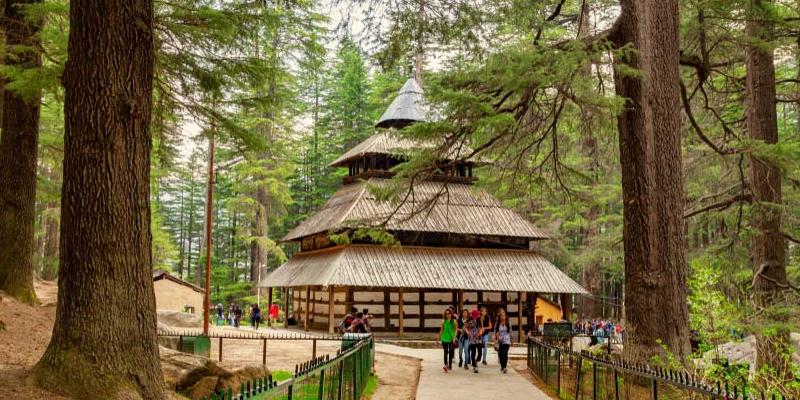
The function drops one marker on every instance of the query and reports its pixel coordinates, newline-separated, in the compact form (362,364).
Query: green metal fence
(585,375)
(343,377)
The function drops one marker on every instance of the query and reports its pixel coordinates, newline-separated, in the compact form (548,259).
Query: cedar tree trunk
(767,251)
(104,342)
(18,148)
(652,183)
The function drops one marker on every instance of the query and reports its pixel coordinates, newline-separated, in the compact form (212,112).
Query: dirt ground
(398,377)
(23,339)
(25,332)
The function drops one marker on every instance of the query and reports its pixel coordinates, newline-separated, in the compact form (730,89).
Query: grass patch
(280,375)
(372,384)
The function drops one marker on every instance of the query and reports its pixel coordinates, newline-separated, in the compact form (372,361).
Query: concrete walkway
(490,383)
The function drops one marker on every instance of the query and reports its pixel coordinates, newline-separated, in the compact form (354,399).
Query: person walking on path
(220,310)
(502,336)
(463,340)
(447,334)
(255,316)
(486,326)
(475,338)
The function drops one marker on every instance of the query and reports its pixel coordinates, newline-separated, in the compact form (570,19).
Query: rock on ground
(199,376)
(745,351)
(177,319)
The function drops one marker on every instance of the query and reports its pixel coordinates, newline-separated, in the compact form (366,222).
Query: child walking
(447,334)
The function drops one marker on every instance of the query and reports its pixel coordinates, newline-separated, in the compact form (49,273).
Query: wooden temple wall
(422,309)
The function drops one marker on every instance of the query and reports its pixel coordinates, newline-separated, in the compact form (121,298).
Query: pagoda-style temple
(458,245)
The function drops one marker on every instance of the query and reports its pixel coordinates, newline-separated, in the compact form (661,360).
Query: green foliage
(713,315)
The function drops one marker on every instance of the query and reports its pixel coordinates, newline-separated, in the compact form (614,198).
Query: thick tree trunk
(652,182)
(18,149)
(104,342)
(768,247)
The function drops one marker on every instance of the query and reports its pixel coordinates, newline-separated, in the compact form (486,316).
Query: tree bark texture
(652,182)
(18,150)
(104,342)
(258,255)
(767,243)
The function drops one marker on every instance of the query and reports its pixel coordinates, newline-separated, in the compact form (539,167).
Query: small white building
(175,294)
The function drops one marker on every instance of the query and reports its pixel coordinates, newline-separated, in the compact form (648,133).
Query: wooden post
(349,302)
(286,307)
(331,315)
(220,349)
(566,306)
(504,300)
(314,304)
(519,315)
(305,309)
(264,351)
(269,305)
(314,349)
(480,298)
(532,311)
(421,309)
(400,310)
(387,309)
(460,300)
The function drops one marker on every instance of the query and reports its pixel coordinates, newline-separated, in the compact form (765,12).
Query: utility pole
(209,213)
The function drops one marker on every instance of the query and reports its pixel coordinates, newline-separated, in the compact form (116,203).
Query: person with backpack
(486,326)
(359,324)
(475,338)
(447,335)
(463,339)
(347,321)
(255,316)
(502,336)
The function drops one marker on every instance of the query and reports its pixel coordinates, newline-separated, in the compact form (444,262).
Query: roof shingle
(423,267)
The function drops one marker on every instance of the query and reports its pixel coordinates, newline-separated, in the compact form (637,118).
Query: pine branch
(722,205)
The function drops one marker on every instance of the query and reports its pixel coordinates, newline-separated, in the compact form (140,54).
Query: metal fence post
(220,349)
(321,391)
(314,349)
(289,390)
(355,379)
(616,384)
(594,380)
(341,380)
(578,378)
(655,389)
(558,377)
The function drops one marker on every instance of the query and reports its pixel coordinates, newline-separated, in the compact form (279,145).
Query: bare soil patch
(398,377)
(26,333)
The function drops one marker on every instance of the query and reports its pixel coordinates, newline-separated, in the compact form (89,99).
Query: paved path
(489,383)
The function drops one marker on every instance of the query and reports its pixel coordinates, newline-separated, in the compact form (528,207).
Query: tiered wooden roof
(447,215)
(429,207)
(424,267)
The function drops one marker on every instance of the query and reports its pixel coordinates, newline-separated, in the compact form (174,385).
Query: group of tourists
(599,331)
(234,314)
(232,317)
(470,333)
(356,321)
